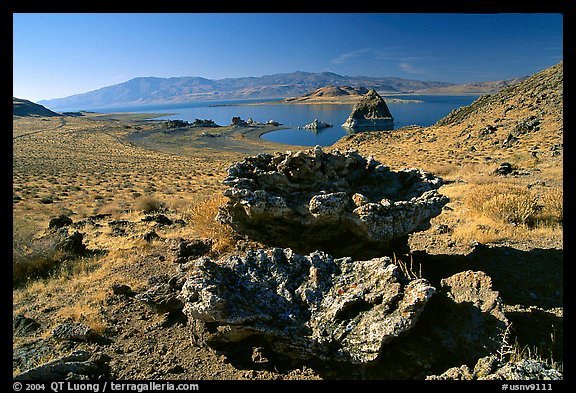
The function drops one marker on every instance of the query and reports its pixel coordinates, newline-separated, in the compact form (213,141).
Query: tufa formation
(371,112)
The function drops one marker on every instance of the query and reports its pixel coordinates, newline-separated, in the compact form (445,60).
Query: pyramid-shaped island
(371,112)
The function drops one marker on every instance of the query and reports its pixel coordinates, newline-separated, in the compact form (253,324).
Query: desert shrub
(203,215)
(504,202)
(32,255)
(552,206)
(512,208)
(148,204)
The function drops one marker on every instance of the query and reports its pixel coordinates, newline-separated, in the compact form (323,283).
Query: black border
(565,7)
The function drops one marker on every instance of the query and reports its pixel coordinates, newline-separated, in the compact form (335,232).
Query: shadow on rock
(527,278)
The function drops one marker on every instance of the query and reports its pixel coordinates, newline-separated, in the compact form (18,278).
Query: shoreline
(183,141)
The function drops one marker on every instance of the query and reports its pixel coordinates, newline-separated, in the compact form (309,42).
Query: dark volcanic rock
(24,326)
(304,306)
(161,298)
(77,365)
(370,112)
(74,332)
(341,203)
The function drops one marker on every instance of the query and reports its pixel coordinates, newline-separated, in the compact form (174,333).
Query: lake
(429,111)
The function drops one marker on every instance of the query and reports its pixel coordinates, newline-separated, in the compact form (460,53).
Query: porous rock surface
(340,202)
(303,306)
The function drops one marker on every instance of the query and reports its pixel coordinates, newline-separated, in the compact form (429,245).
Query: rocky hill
(22,107)
(330,94)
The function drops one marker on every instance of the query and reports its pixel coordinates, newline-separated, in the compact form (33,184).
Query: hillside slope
(522,123)
(22,107)
(142,215)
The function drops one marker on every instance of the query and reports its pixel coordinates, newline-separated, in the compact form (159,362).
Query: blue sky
(60,54)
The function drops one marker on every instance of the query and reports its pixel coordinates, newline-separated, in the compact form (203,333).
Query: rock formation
(341,203)
(371,112)
(316,124)
(238,122)
(462,322)
(303,306)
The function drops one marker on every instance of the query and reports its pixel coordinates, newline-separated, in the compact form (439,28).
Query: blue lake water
(426,113)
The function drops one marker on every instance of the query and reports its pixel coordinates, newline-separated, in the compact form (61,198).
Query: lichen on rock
(304,306)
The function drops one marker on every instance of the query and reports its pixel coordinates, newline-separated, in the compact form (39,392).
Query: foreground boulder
(342,203)
(303,306)
(462,323)
(371,112)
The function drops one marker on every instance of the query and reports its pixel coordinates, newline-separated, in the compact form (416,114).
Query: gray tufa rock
(304,306)
(462,323)
(342,203)
(316,124)
(370,112)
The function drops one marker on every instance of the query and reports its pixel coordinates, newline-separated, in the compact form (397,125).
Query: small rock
(178,369)
(504,169)
(151,235)
(24,326)
(121,289)
(60,222)
(74,331)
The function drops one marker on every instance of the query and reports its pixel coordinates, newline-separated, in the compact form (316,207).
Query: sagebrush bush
(511,208)
(552,206)
(504,202)
(32,255)
(203,215)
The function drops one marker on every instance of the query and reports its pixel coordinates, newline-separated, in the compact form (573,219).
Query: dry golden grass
(202,214)
(504,202)
(33,254)
(81,169)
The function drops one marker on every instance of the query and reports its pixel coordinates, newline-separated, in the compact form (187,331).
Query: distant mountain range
(153,90)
